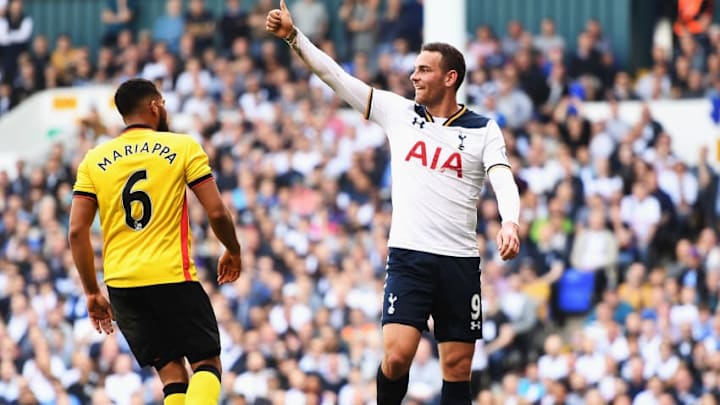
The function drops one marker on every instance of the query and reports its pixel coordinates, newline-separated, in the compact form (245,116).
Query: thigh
(189,322)
(166,322)
(409,288)
(136,321)
(457,312)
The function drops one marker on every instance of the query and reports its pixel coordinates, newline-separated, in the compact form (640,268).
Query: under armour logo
(418,122)
(475,325)
(462,139)
(391,299)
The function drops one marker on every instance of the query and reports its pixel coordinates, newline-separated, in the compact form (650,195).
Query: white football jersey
(438,170)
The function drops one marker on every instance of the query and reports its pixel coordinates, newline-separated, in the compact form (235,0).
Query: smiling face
(429,80)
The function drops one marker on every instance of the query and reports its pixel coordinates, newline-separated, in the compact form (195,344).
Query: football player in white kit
(440,155)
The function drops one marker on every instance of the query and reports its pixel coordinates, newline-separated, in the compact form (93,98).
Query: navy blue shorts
(420,284)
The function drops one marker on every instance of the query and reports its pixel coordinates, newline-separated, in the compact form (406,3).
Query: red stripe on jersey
(184,241)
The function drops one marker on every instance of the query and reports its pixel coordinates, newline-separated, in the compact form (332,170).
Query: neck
(138,122)
(445,108)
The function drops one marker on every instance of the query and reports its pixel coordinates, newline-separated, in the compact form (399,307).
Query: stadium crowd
(609,212)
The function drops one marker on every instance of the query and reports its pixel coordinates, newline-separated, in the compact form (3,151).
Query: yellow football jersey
(139,182)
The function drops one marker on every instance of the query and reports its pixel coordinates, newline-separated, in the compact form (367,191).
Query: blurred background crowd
(614,298)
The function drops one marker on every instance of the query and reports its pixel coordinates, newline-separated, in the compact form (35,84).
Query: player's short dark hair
(452,59)
(131,93)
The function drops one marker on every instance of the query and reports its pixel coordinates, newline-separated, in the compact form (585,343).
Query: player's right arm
(201,182)
(82,214)
(352,90)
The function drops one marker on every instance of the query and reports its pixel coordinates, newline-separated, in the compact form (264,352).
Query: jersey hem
(441,252)
(129,283)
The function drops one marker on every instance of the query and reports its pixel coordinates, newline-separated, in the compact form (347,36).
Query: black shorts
(420,284)
(165,322)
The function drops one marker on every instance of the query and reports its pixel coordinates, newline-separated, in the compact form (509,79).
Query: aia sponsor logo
(453,161)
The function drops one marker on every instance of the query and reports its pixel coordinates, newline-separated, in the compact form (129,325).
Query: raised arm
(352,90)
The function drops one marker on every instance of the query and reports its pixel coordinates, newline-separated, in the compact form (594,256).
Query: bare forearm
(82,254)
(224,229)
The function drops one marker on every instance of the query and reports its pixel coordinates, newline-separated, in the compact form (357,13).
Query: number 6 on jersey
(128,197)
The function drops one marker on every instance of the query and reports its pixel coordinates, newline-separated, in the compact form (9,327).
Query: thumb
(283,6)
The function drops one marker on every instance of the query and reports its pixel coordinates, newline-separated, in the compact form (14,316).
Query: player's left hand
(508,240)
(100,312)
(229,268)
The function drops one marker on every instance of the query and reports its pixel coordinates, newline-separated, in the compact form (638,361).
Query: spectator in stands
(510,43)
(168,28)
(655,84)
(694,18)
(548,39)
(595,248)
(681,186)
(118,16)
(642,213)
(585,60)
(16,30)
(531,79)
(25,84)
(389,26)
(600,42)
(514,104)
(359,17)
(484,50)
(311,18)
(256,20)
(233,24)
(635,290)
(64,57)
(200,24)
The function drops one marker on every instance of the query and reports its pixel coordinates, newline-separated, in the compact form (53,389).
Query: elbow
(76,234)
(217,214)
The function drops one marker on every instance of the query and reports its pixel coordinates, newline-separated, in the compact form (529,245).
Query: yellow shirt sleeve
(197,167)
(84,186)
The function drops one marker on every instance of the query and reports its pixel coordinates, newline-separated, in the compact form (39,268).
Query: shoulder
(175,137)
(90,153)
(101,148)
(183,142)
(471,119)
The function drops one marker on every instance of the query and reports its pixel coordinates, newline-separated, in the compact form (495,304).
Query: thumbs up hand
(279,22)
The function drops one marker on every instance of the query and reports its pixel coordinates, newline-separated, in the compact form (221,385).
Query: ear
(154,108)
(451,77)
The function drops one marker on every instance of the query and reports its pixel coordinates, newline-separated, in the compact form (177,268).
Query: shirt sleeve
(382,106)
(84,186)
(351,89)
(197,168)
(495,152)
